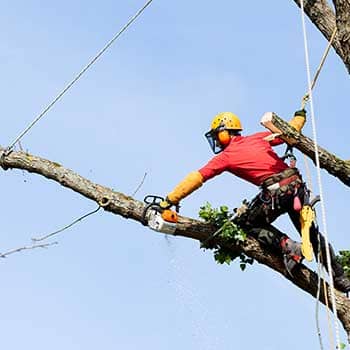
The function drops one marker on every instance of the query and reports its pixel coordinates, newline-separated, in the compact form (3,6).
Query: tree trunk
(120,204)
(323,17)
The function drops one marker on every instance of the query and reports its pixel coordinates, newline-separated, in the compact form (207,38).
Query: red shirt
(248,157)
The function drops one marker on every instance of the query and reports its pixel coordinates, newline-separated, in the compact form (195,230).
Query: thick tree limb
(120,204)
(342,10)
(334,165)
(323,17)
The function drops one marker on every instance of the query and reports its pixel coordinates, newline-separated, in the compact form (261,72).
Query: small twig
(22,150)
(66,227)
(20,146)
(34,246)
(140,185)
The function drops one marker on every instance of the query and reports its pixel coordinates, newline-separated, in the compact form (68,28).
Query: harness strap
(284,175)
(289,154)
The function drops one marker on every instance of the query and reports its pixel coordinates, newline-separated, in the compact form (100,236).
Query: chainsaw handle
(152,199)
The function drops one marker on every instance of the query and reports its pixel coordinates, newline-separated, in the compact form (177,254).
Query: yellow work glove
(189,184)
(298,120)
(165,204)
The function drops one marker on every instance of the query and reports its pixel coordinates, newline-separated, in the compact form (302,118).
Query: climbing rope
(319,272)
(308,175)
(321,278)
(306,97)
(317,159)
(77,77)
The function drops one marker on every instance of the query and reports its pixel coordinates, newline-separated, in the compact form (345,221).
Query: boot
(291,251)
(342,283)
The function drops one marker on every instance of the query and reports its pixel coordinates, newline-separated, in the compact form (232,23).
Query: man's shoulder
(260,134)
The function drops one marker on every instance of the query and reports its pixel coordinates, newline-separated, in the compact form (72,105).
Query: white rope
(78,76)
(321,278)
(319,180)
(323,59)
(319,271)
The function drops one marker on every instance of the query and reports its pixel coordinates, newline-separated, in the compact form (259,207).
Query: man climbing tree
(325,19)
(282,189)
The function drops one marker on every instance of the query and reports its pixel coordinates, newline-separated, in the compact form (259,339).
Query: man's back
(248,157)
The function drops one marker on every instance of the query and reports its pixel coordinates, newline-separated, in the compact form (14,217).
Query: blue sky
(144,107)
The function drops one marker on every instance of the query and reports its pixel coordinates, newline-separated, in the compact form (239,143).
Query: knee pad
(267,237)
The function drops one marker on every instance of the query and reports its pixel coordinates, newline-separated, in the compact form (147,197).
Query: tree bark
(342,10)
(127,207)
(325,19)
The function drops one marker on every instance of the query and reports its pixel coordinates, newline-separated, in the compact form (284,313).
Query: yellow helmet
(223,126)
(226,121)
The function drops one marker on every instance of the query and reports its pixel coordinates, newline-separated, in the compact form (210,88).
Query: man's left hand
(165,204)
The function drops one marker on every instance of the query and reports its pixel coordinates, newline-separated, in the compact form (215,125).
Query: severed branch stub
(328,161)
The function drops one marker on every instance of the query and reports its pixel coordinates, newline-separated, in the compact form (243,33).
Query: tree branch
(127,207)
(31,247)
(323,17)
(342,11)
(328,161)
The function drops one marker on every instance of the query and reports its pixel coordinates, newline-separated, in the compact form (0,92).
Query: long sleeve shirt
(248,157)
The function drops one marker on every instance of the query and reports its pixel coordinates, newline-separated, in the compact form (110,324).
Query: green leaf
(344,259)
(230,233)
(342,346)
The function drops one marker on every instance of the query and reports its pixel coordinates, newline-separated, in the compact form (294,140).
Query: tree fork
(323,17)
(127,207)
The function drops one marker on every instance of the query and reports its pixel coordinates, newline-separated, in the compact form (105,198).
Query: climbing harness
(310,97)
(289,154)
(9,149)
(307,212)
(287,182)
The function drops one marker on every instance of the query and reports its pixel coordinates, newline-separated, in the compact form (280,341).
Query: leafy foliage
(227,232)
(344,259)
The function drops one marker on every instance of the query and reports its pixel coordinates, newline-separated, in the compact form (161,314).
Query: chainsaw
(157,218)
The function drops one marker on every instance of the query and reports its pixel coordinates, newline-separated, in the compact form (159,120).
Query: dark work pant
(266,207)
